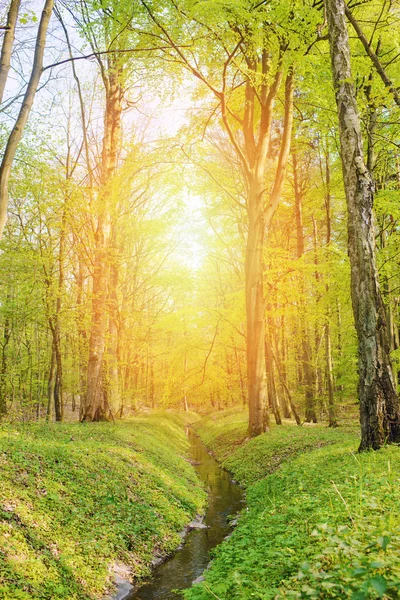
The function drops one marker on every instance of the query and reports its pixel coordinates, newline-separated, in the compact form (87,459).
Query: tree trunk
(379,404)
(271,387)
(58,397)
(241,382)
(281,359)
(23,115)
(95,402)
(51,385)
(328,344)
(113,330)
(317,333)
(58,383)
(289,395)
(329,375)
(152,388)
(185,401)
(8,41)
(4,361)
(259,220)
(255,310)
(58,389)
(306,354)
(97,406)
(82,334)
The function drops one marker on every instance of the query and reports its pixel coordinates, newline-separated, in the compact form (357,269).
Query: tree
(23,115)
(300,185)
(244,72)
(7,46)
(102,374)
(379,404)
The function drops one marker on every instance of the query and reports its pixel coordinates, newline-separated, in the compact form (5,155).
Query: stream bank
(322,521)
(225,498)
(75,497)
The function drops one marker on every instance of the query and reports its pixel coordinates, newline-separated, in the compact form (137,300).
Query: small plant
(322,522)
(355,563)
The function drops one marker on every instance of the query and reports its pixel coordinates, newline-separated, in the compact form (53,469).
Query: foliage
(356,562)
(324,524)
(256,458)
(76,497)
(172,93)
(176,207)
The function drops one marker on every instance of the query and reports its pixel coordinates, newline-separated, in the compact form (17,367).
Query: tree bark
(96,402)
(328,343)
(255,312)
(19,125)
(379,404)
(306,353)
(8,42)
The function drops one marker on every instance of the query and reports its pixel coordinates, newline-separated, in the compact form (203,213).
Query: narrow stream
(224,498)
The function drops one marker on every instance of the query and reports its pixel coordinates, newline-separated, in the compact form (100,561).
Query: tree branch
(375,60)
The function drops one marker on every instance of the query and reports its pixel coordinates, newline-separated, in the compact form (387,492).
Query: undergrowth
(76,497)
(322,521)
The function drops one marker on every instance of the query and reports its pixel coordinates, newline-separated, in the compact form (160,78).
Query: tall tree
(7,46)
(379,404)
(102,378)
(300,185)
(23,115)
(328,342)
(245,73)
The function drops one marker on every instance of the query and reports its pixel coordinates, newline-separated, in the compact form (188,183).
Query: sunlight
(199,300)
(191,248)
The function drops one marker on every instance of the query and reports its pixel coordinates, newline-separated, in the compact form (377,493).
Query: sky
(159,115)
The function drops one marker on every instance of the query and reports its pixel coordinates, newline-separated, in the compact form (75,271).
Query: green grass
(74,498)
(322,520)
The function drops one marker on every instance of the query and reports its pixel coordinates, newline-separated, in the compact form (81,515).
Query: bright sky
(160,117)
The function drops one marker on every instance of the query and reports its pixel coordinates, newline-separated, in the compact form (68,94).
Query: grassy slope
(325,524)
(74,498)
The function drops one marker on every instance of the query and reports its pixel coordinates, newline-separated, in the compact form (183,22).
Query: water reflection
(224,499)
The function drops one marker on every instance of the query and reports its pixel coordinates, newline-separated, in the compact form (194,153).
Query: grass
(75,498)
(322,521)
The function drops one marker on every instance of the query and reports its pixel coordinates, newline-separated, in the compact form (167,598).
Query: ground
(77,498)
(322,520)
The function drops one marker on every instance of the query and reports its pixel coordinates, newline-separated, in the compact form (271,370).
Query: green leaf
(384,541)
(379,585)
(359,596)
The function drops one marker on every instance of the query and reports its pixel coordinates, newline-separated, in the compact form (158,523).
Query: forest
(199,299)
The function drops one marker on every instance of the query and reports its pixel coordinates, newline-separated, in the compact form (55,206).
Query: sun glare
(191,248)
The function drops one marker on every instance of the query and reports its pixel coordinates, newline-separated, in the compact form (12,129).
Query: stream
(189,562)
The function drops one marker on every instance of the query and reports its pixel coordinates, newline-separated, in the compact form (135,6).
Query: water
(224,498)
